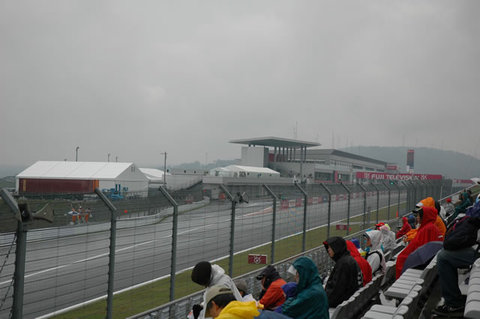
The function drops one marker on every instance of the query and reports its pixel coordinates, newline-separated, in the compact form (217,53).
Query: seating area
(472,306)
(408,296)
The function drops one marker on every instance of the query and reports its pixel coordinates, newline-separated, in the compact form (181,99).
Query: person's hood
(307,272)
(338,245)
(429,216)
(269,272)
(375,238)
(353,249)
(290,289)
(427,202)
(404,220)
(385,229)
(217,273)
(239,310)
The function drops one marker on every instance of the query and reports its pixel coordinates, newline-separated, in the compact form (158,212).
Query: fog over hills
(427,160)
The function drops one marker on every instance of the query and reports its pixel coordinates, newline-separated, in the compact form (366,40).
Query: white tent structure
(154,175)
(244,172)
(80,177)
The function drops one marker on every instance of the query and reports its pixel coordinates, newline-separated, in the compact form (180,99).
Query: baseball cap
(212,292)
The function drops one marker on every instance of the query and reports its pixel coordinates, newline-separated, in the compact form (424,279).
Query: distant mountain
(7,170)
(427,160)
(7,182)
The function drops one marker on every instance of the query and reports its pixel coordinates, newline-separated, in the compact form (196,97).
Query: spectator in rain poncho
(311,300)
(464,199)
(449,208)
(290,291)
(272,294)
(388,238)
(362,263)
(405,228)
(427,232)
(346,276)
(208,275)
(438,222)
(375,256)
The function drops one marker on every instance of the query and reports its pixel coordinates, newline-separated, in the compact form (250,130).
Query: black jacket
(463,234)
(346,276)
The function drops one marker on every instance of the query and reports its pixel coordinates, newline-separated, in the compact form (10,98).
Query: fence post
(409,190)
(388,210)
(398,203)
(378,200)
(364,204)
(274,218)
(329,208)
(348,208)
(20,257)
(232,228)
(173,262)
(305,202)
(111,255)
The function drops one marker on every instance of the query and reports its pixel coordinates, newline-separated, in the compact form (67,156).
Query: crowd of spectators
(308,295)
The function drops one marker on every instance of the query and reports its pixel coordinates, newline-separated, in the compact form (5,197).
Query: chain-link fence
(103,256)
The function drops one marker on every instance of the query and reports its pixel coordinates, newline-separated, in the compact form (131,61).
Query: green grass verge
(155,294)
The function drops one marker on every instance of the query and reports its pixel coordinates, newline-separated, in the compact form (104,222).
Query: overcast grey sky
(137,78)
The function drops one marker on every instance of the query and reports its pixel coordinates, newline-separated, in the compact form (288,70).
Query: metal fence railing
(140,248)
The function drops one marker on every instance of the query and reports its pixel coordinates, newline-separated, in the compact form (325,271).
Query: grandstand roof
(74,170)
(275,142)
(251,169)
(344,154)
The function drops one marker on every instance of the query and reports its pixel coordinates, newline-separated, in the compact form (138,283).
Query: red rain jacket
(362,262)
(427,232)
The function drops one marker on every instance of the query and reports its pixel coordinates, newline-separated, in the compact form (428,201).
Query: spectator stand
(472,306)
(411,291)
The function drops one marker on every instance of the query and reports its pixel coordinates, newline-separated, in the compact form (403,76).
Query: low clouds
(137,79)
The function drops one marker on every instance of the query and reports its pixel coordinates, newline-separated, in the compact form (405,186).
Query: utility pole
(164,169)
(76,153)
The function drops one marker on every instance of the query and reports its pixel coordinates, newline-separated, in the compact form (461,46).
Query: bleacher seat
(360,300)
(472,306)
(404,310)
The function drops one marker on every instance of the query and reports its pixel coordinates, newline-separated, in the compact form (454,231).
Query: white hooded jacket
(218,277)
(375,256)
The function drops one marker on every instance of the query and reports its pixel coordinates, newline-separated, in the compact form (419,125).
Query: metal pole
(76,153)
(348,208)
(111,256)
(173,262)
(398,203)
(274,221)
(232,229)
(329,208)
(20,257)
(388,210)
(165,170)
(378,200)
(305,202)
(364,204)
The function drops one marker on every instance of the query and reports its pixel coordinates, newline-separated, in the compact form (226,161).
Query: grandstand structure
(304,161)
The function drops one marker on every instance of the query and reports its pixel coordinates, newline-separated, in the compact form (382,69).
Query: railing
(148,244)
